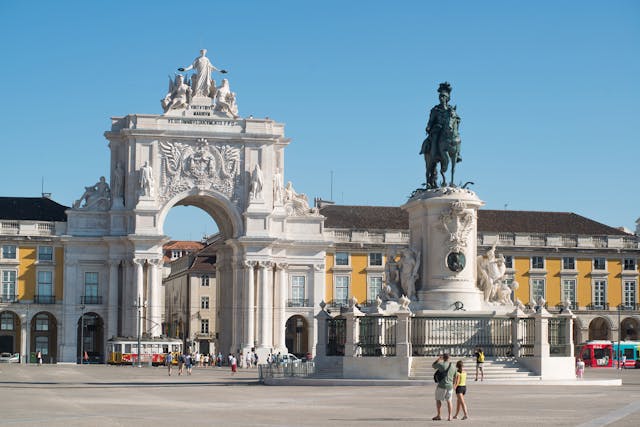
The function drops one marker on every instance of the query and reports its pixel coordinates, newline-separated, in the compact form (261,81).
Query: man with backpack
(444,390)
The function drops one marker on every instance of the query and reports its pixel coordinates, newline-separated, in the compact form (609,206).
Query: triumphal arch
(199,152)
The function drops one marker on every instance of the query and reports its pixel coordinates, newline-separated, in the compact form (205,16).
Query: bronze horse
(442,147)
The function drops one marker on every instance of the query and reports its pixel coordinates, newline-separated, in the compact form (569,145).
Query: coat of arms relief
(201,165)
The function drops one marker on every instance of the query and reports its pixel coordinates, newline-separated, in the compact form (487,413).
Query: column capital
(247,264)
(157,262)
(139,261)
(280,266)
(113,263)
(264,264)
(318,267)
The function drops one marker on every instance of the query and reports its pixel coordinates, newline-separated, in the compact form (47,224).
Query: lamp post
(139,305)
(82,334)
(620,307)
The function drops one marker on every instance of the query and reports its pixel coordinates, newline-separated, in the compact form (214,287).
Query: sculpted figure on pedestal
(97,196)
(442,145)
(491,272)
(178,96)
(392,277)
(295,204)
(146,180)
(257,181)
(201,82)
(226,100)
(278,188)
(118,181)
(409,264)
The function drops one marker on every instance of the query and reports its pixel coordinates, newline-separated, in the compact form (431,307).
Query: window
(45,283)
(8,285)
(6,322)
(599,263)
(537,289)
(568,263)
(91,288)
(342,258)
(45,253)
(42,322)
(599,293)
(537,262)
(341,289)
(204,302)
(204,326)
(204,280)
(630,264)
(297,288)
(42,344)
(374,287)
(508,261)
(569,290)
(9,252)
(375,259)
(629,294)
(175,254)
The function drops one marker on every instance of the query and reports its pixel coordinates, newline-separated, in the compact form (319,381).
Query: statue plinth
(443,230)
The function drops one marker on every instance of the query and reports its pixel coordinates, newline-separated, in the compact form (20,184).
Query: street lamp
(82,334)
(139,305)
(620,307)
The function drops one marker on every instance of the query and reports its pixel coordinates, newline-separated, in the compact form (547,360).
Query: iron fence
(377,336)
(336,336)
(460,337)
(526,337)
(558,342)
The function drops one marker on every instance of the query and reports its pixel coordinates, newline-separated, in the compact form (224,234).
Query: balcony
(337,303)
(8,298)
(572,306)
(592,306)
(44,299)
(298,303)
(628,307)
(90,299)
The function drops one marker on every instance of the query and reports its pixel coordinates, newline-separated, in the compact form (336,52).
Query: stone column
(154,307)
(264,307)
(112,300)
(569,316)
(321,338)
(281,303)
(24,338)
(139,286)
(249,271)
(67,338)
(351,347)
(541,346)
(403,343)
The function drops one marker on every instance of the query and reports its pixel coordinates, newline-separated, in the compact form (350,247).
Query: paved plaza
(95,395)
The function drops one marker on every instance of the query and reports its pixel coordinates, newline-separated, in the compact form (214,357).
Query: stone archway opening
(599,329)
(10,335)
(297,336)
(90,339)
(44,336)
(629,329)
(193,287)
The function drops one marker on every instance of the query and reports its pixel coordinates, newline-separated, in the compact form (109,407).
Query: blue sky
(548,93)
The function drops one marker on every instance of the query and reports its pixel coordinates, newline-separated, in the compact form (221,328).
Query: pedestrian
(579,368)
(168,360)
(180,363)
(39,357)
(623,361)
(188,361)
(444,390)
(479,355)
(249,358)
(460,387)
(234,364)
(219,359)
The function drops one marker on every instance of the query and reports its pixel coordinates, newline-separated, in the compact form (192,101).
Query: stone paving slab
(74,395)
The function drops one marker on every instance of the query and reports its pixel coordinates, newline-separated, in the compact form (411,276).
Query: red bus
(597,354)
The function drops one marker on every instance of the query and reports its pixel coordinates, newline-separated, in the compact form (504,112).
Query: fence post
(515,333)
(568,316)
(541,347)
(403,342)
(351,345)
(321,340)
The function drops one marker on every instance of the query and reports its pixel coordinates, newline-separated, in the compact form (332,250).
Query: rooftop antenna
(44,195)
(331,198)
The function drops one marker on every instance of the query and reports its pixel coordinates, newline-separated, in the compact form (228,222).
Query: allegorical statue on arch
(200,88)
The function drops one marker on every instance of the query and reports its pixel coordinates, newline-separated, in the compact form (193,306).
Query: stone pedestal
(443,231)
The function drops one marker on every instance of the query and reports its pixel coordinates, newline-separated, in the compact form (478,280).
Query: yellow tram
(124,351)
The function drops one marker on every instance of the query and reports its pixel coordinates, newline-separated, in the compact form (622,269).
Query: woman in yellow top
(460,386)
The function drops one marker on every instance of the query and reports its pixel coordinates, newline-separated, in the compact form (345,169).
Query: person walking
(180,363)
(479,355)
(168,359)
(444,390)
(234,364)
(460,387)
(188,361)
(39,357)
(579,368)
(623,361)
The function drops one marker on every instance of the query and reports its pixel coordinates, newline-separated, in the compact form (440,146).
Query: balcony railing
(336,303)
(91,299)
(572,306)
(628,307)
(44,299)
(8,298)
(298,303)
(592,306)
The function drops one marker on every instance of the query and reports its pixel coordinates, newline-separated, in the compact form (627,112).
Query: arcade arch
(629,329)
(90,338)
(297,336)
(10,327)
(599,329)
(44,336)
